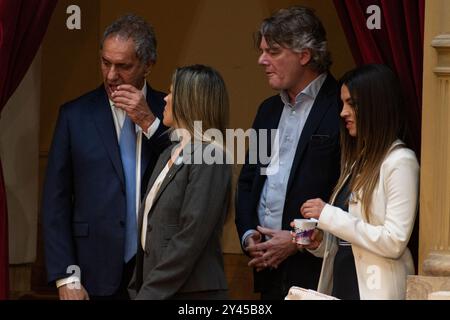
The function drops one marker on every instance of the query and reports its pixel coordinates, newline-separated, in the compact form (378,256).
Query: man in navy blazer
(306,114)
(84,198)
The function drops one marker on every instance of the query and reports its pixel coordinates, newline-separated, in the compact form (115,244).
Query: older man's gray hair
(142,33)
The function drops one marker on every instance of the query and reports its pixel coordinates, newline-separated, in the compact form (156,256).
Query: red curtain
(398,44)
(22,26)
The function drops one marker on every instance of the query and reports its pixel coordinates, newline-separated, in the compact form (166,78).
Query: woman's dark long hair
(380,120)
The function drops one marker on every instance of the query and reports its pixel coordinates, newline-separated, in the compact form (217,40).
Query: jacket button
(149,228)
(147,252)
(122,223)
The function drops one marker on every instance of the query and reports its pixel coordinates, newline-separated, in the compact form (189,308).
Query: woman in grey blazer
(182,214)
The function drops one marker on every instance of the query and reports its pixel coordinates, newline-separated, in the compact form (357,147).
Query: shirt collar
(311,90)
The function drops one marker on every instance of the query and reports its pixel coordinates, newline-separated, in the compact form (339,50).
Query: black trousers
(345,280)
(274,288)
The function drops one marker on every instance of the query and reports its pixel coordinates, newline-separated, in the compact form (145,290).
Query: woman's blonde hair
(199,94)
(376,99)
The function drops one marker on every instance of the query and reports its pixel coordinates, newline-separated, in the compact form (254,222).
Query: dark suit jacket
(313,175)
(84,204)
(183,255)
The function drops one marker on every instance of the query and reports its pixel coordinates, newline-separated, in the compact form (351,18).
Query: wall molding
(442,45)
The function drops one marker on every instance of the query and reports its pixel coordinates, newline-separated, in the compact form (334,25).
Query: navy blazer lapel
(275,117)
(273,122)
(320,107)
(103,118)
(145,156)
(160,164)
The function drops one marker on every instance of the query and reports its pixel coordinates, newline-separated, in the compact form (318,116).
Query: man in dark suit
(306,162)
(104,148)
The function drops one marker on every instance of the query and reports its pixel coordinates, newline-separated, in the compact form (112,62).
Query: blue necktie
(127,144)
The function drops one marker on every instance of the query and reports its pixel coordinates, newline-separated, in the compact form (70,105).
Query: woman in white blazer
(367,226)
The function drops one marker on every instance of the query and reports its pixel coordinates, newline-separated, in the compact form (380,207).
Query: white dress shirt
(119,118)
(149,201)
(293,118)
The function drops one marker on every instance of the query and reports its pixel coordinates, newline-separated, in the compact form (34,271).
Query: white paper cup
(304,229)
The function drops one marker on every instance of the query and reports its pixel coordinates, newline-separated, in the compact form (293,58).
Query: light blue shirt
(292,121)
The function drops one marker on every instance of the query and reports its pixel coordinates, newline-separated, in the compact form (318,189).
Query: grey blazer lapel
(160,164)
(170,175)
(177,166)
(162,161)
(172,171)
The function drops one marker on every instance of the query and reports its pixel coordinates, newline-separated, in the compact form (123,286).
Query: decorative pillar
(434,243)
(433,281)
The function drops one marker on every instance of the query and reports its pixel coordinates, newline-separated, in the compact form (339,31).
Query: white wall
(19,140)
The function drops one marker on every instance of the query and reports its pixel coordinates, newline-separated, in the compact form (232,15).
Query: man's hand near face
(133,102)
